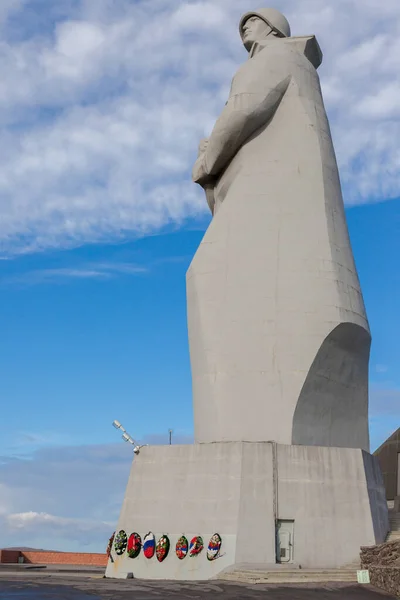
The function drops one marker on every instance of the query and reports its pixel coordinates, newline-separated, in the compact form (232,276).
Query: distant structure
(280,471)
(388,455)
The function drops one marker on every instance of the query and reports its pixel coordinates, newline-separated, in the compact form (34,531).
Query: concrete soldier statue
(279,346)
(279,338)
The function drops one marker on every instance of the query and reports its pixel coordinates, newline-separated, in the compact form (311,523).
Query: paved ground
(66,587)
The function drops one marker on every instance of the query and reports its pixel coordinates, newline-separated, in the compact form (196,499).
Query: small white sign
(363,577)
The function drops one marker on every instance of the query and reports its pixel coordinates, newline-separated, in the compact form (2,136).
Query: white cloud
(79,41)
(99,270)
(63,498)
(31,521)
(382,105)
(66,498)
(197,15)
(100,115)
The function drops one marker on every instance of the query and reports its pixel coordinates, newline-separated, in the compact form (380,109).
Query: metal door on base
(284,541)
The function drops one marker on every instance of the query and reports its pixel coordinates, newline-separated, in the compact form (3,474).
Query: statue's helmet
(272,17)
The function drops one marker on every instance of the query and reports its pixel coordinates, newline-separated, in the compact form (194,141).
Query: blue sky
(101,110)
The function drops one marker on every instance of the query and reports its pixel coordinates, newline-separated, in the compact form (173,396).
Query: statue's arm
(243,114)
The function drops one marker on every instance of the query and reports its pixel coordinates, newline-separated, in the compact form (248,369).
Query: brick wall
(9,556)
(55,558)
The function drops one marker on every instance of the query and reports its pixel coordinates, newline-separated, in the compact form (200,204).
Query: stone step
(393,536)
(299,573)
(291,576)
(292,580)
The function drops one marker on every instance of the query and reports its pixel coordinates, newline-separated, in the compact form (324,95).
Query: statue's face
(254,30)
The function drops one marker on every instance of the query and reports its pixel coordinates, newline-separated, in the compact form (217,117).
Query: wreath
(214,547)
(149,545)
(120,542)
(134,545)
(196,545)
(109,545)
(182,547)
(162,548)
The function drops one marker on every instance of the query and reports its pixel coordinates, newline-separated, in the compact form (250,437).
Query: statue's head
(257,25)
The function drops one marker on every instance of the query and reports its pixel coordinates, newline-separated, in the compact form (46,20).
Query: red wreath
(110,544)
(134,545)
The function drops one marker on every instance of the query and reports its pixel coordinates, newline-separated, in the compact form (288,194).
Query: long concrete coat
(279,339)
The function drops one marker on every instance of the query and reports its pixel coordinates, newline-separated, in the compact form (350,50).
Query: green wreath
(120,542)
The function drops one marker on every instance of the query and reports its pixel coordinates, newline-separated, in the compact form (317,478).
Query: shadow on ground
(71,588)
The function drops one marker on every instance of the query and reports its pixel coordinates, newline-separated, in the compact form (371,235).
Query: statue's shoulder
(308,46)
(284,48)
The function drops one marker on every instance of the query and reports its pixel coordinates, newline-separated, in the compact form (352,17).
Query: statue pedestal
(327,501)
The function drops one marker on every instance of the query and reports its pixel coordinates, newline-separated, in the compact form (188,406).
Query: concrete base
(335,496)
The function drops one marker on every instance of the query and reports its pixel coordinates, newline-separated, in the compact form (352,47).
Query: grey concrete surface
(105,589)
(237,489)
(377,497)
(278,334)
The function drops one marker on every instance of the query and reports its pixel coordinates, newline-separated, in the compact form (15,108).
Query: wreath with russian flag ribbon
(214,547)
(182,547)
(149,545)
(196,545)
